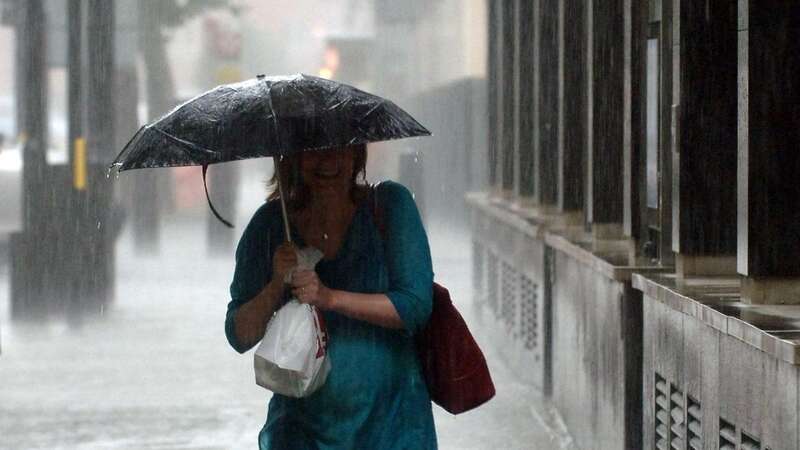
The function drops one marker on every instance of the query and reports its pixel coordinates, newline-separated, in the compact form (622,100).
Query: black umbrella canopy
(266,116)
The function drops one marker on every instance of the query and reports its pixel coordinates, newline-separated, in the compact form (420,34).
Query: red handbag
(453,365)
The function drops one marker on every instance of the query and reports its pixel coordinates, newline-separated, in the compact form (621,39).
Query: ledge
(501,210)
(716,301)
(612,263)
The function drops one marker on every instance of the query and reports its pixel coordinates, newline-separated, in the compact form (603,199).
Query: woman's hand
(376,309)
(283,261)
(307,288)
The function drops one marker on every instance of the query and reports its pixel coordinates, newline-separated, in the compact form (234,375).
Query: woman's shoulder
(266,214)
(268,210)
(393,192)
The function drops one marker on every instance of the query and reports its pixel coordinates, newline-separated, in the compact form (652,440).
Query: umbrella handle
(286,229)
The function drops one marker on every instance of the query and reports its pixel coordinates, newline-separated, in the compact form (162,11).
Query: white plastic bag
(292,358)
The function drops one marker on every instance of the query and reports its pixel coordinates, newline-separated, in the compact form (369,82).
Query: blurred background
(123,63)
(607,192)
(113,289)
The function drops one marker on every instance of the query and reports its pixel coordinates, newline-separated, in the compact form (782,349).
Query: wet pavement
(155,371)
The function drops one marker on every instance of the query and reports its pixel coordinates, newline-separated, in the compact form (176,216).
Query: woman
(374,289)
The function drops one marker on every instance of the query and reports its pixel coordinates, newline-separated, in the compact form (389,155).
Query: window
(651,157)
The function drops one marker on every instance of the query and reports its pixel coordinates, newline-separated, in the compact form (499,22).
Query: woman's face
(327,171)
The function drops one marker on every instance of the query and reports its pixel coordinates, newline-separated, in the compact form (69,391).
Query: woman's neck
(324,220)
(330,200)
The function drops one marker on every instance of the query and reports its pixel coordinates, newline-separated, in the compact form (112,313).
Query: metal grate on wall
(529,304)
(694,429)
(749,442)
(677,414)
(678,423)
(508,292)
(493,293)
(661,413)
(727,435)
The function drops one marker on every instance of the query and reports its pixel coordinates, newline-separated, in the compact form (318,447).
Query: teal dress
(375,396)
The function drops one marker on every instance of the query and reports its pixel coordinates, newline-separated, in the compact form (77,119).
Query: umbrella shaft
(286,228)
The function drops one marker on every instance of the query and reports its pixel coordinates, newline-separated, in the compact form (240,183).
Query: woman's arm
(254,296)
(408,256)
(250,320)
(376,309)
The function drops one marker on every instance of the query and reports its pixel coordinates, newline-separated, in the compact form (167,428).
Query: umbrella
(262,117)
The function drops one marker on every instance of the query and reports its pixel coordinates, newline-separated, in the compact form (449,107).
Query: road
(154,370)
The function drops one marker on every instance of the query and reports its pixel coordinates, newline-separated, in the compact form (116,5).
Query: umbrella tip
(112,167)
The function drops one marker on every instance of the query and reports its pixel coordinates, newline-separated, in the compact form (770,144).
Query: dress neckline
(345,240)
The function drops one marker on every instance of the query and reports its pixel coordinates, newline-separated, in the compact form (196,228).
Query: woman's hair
(297,194)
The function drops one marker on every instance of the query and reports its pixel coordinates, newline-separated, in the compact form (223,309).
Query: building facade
(638,243)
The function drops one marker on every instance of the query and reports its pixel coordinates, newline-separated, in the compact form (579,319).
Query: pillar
(769,137)
(704,137)
(547,65)
(572,114)
(604,188)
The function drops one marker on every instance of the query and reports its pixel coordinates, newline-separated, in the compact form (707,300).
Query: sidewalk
(155,372)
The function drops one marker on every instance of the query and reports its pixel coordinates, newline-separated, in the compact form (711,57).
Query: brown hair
(297,194)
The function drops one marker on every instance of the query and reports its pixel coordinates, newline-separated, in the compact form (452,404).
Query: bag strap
(210,205)
(377,212)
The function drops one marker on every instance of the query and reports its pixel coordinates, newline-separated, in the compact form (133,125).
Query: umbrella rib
(272,112)
(117,161)
(372,110)
(184,142)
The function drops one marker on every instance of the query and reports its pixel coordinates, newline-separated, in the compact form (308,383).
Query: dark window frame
(652,243)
